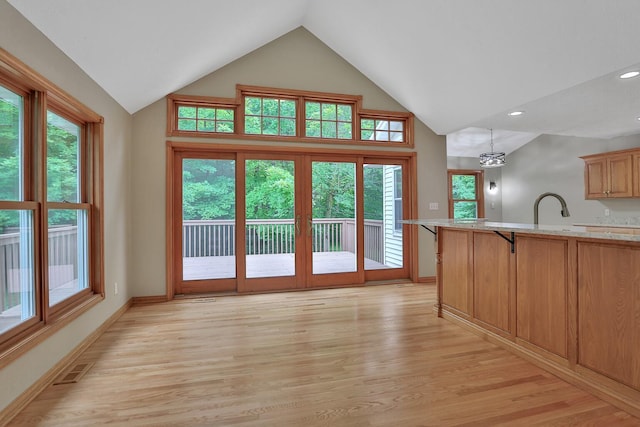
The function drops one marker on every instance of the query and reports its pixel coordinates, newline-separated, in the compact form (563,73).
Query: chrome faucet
(564,211)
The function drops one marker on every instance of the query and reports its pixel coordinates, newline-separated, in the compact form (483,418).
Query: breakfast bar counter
(565,297)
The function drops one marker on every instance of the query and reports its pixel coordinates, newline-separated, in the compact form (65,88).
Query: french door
(265,221)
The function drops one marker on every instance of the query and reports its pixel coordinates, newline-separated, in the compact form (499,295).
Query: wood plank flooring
(374,356)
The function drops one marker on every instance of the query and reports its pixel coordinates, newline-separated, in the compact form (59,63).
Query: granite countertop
(587,230)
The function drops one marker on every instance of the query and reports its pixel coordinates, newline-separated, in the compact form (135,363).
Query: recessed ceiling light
(516,113)
(630,74)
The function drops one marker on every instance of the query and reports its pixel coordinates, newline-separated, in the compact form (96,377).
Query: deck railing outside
(277,236)
(63,262)
(200,239)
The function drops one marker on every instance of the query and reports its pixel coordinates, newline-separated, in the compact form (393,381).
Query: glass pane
(17,287)
(287,108)
(270,126)
(252,125)
(397,126)
(329,130)
(187,112)
(63,159)
(253,106)
(463,187)
(208,219)
(344,130)
(226,127)
(366,124)
(383,244)
(313,110)
(366,135)
(206,113)
(313,128)
(382,135)
(11,143)
(334,209)
(397,136)
(224,114)
(270,232)
(270,107)
(344,113)
(329,112)
(68,253)
(206,126)
(465,210)
(288,127)
(184,124)
(382,124)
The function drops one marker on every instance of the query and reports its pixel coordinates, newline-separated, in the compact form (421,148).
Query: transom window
(289,115)
(328,120)
(382,130)
(206,119)
(269,116)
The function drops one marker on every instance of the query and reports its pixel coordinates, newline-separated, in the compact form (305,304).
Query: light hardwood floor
(375,356)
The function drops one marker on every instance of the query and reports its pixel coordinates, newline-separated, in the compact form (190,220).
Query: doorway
(260,221)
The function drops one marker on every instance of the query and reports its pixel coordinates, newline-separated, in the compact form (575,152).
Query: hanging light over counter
(492,159)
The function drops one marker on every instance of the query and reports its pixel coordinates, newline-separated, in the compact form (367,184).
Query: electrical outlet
(115,288)
(607,212)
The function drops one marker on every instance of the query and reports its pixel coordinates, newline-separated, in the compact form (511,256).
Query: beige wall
(552,163)
(297,60)
(21,39)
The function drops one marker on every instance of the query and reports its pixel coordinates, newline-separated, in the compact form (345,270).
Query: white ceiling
(459,65)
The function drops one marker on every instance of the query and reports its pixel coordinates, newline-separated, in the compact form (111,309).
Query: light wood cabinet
(492,280)
(611,175)
(636,175)
(456,261)
(609,310)
(541,268)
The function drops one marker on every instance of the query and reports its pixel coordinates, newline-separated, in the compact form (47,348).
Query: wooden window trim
(176,100)
(43,95)
(301,97)
(479,174)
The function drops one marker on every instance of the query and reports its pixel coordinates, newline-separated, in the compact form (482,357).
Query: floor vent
(74,375)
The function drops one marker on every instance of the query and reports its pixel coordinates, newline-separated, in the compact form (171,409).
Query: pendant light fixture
(492,159)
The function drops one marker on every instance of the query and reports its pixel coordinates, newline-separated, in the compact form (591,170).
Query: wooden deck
(373,356)
(271,265)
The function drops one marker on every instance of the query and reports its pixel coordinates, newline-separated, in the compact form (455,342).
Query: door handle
(309,224)
(297,225)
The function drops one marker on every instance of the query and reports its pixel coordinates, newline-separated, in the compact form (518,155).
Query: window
(293,115)
(328,120)
(53,270)
(205,119)
(466,199)
(389,127)
(382,130)
(397,199)
(197,115)
(269,116)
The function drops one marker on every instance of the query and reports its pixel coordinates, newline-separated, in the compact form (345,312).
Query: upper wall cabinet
(612,175)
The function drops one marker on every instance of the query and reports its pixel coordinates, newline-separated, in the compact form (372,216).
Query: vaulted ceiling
(459,65)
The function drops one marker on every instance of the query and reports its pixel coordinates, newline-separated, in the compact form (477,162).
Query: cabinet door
(595,178)
(456,277)
(620,176)
(609,310)
(636,175)
(542,279)
(491,268)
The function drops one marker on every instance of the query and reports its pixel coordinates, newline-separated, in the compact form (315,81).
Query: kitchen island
(565,297)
